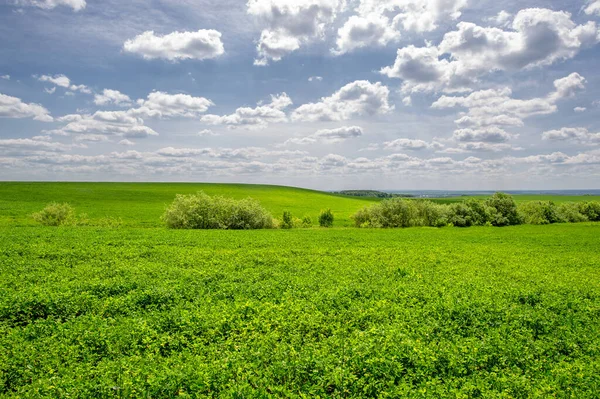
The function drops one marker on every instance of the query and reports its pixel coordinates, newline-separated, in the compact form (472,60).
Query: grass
(142,204)
(143,311)
(418,313)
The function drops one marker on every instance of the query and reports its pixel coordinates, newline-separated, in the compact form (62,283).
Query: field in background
(525,197)
(142,204)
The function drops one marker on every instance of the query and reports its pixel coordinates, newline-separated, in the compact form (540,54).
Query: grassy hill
(142,204)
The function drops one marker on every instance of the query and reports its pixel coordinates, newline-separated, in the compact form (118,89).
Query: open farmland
(422,312)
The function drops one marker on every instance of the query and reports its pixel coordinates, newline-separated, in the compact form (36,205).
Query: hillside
(142,204)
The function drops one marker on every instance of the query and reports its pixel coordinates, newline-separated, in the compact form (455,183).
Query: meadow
(144,311)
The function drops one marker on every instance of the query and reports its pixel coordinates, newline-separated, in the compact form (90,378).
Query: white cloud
(13,107)
(207,133)
(579,109)
(489,112)
(329,135)
(127,143)
(64,82)
(254,118)
(358,98)
(163,105)
(315,79)
(359,32)
(24,146)
(502,19)
(289,24)
(578,134)
(108,123)
(244,153)
(200,45)
(51,90)
(5,77)
(109,96)
(593,7)
(410,144)
(76,5)
(538,37)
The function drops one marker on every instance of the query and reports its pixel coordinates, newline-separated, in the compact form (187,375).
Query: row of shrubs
(499,210)
(201,211)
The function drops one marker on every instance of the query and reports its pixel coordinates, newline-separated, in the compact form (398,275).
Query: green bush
(201,211)
(431,214)
(56,214)
(326,218)
(461,215)
(503,210)
(591,210)
(538,212)
(287,222)
(569,212)
(306,221)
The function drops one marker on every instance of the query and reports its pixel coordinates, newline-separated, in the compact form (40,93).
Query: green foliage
(405,313)
(504,210)
(538,212)
(287,222)
(326,218)
(201,211)
(56,214)
(307,221)
(569,212)
(590,210)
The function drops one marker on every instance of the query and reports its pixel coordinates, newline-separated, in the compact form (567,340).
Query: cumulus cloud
(20,146)
(580,109)
(538,37)
(13,107)
(410,144)
(64,82)
(254,118)
(207,133)
(109,97)
(592,7)
(289,24)
(329,135)
(502,19)
(490,112)
(76,5)
(315,79)
(577,134)
(127,143)
(359,32)
(378,22)
(164,105)
(5,77)
(200,45)
(358,98)
(102,123)
(244,153)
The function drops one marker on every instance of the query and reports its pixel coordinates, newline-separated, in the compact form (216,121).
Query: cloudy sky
(326,94)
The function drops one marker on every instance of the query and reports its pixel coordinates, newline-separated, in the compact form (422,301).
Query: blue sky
(327,94)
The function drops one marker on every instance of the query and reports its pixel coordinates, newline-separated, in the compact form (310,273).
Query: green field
(143,311)
(525,197)
(142,204)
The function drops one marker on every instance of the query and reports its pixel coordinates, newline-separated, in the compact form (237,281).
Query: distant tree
(504,210)
(287,221)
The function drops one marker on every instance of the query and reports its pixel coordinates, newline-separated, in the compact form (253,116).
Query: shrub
(591,210)
(503,210)
(389,213)
(306,221)
(56,214)
(461,215)
(287,221)
(200,211)
(326,218)
(431,214)
(568,212)
(538,212)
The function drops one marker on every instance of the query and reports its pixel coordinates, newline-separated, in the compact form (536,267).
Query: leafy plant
(326,218)
(56,214)
(287,221)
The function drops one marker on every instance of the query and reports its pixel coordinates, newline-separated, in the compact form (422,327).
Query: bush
(287,221)
(461,215)
(326,218)
(568,212)
(389,213)
(56,214)
(200,211)
(503,210)
(591,210)
(431,214)
(306,221)
(538,212)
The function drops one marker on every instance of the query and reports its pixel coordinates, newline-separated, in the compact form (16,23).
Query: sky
(324,94)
